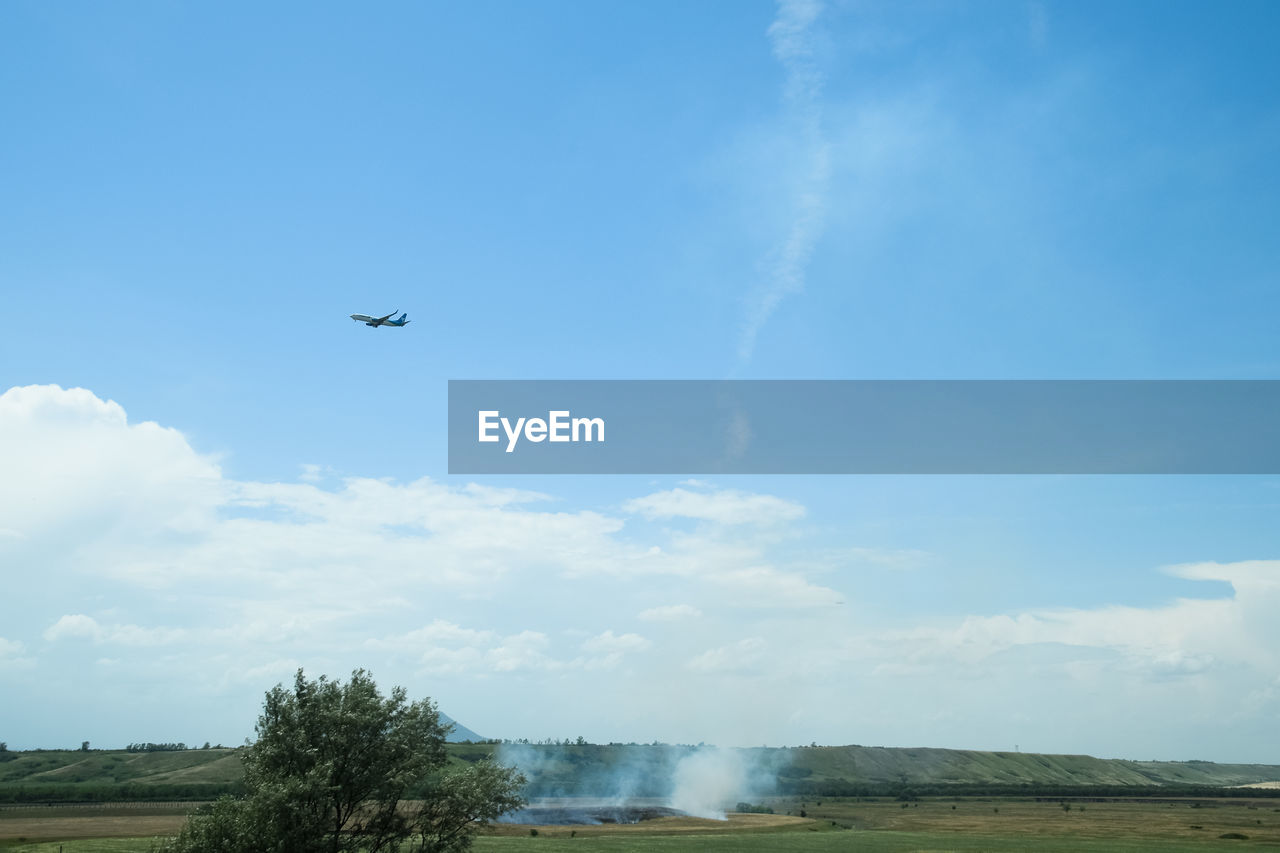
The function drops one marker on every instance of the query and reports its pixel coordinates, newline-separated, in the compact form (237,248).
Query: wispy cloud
(80,626)
(670,613)
(722,507)
(791,34)
(744,656)
(11,655)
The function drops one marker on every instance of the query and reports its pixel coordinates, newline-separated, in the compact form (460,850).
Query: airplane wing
(381,320)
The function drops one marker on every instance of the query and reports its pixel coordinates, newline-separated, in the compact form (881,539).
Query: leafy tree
(331,768)
(455,805)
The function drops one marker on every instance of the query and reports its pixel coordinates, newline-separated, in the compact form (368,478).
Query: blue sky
(195,197)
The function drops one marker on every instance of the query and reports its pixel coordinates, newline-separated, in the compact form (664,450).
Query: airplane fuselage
(379,321)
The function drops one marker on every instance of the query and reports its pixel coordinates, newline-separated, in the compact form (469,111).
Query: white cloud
(445,648)
(607,650)
(609,643)
(447,633)
(80,626)
(82,466)
(670,613)
(274,671)
(312,473)
(218,588)
(12,655)
(744,656)
(442,660)
(526,650)
(1185,637)
(722,507)
(763,586)
(74,626)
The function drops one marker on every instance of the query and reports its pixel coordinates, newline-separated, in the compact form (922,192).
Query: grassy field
(826,842)
(1035,823)
(969,824)
(92,822)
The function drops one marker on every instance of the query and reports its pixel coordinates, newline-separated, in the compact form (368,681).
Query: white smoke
(701,781)
(706,782)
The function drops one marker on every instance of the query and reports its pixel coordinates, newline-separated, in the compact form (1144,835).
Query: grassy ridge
(117,775)
(98,775)
(208,766)
(884,765)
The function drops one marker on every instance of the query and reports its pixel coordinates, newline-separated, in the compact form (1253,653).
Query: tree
(330,769)
(455,805)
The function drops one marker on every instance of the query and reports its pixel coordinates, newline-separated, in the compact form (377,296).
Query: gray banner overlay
(864,427)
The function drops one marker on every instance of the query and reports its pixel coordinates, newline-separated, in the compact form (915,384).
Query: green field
(962,824)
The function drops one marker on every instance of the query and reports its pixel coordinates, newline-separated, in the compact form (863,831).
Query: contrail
(791,36)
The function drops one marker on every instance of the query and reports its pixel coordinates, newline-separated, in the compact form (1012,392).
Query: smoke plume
(702,781)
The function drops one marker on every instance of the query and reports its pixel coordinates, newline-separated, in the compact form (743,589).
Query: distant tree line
(156,747)
(547,741)
(914,790)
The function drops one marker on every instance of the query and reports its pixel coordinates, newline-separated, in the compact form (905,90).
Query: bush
(752,808)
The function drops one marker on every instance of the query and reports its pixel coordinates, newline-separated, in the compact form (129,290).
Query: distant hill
(885,765)
(460,732)
(95,775)
(581,769)
(646,770)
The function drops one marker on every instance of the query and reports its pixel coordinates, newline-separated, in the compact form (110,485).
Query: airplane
(381,321)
